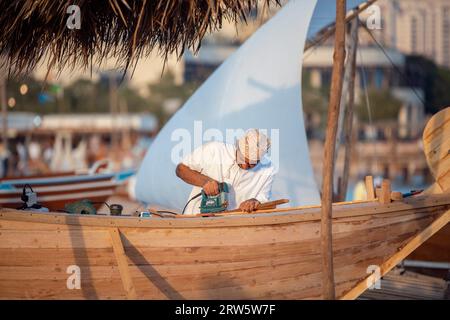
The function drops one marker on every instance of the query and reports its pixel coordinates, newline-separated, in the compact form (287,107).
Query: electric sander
(212,204)
(217,203)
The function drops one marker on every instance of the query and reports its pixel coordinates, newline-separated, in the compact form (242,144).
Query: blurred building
(148,70)
(375,71)
(416,27)
(373,68)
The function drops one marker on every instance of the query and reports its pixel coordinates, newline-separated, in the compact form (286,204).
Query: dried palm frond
(123,29)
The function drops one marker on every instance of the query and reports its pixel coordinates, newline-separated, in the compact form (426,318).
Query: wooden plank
(122,262)
(435,188)
(262,206)
(278,216)
(434,249)
(348,111)
(413,244)
(385,195)
(54,239)
(396,196)
(62,257)
(370,188)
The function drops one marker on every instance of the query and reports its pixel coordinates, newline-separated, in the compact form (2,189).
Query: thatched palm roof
(124,29)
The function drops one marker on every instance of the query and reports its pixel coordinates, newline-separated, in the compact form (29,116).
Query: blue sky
(325,12)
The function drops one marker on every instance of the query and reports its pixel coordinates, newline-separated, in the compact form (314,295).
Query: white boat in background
(57,189)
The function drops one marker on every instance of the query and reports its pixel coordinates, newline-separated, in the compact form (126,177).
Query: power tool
(80,207)
(211,204)
(217,203)
(29,197)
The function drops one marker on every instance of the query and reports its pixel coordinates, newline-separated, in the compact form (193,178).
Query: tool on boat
(29,197)
(411,193)
(80,207)
(145,214)
(211,204)
(115,209)
(215,203)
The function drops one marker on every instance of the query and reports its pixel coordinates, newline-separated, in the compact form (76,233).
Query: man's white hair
(253,145)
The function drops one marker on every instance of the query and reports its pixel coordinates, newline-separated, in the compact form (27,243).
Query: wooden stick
(396,195)
(328,30)
(4,114)
(370,188)
(385,196)
(348,114)
(263,206)
(122,263)
(329,151)
(412,245)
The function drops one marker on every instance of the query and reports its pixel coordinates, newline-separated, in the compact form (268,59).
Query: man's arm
(210,186)
(263,195)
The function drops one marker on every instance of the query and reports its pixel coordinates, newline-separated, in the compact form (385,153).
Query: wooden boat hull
(273,255)
(436,249)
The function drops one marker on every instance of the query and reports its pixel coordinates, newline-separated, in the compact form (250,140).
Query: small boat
(55,191)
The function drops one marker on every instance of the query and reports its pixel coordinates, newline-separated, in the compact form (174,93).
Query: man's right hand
(211,188)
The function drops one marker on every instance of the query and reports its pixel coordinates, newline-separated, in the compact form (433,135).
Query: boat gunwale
(265,217)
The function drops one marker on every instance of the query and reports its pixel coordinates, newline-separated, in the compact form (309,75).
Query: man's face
(244,162)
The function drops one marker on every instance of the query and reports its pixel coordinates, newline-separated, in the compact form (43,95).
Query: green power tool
(211,204)
(217,203)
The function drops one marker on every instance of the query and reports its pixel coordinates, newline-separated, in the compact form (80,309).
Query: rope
(405,77)
(369,108)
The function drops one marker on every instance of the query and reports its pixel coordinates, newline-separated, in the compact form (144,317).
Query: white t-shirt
(217,160)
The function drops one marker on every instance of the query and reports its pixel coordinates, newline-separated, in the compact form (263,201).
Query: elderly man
(238,165)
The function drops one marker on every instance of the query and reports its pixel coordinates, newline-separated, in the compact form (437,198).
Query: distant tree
(441,91)
(81,96)
(433,79)
(383,106)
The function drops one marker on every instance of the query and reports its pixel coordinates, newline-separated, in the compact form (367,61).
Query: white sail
(256,87)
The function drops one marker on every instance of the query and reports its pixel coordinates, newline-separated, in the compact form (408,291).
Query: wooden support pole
(328,31)
(385,194)
(348,113)
(328,290)
(122,263)
(402,253)
(4,112)
(113,103)
(370,188)
(396,196)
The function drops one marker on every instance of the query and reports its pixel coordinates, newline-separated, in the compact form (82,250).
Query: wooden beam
(122,263)
(329,151)
(385,195)
(396,196)
(4,113)
(348,113)
(328,30)
(370,188)
(412,245)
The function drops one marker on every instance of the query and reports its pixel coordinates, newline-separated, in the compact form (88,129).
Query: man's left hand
(249,205)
